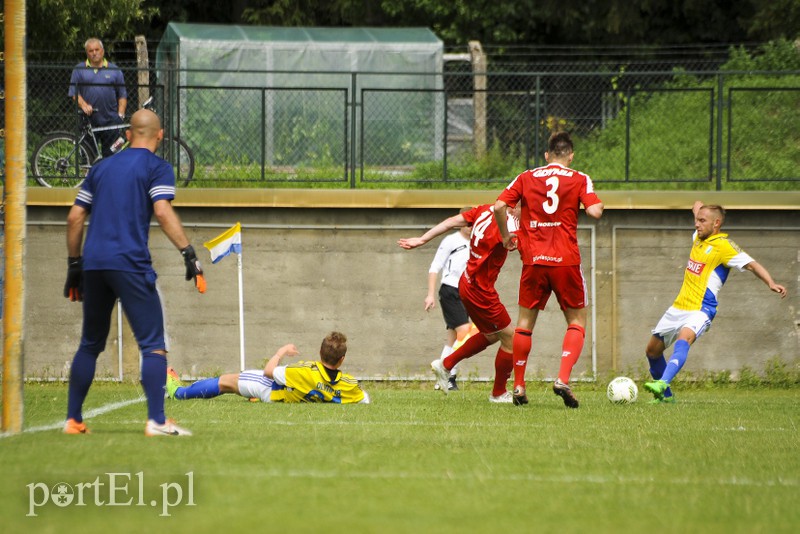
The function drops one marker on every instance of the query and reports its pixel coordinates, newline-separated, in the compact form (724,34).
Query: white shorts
(254,385)
(674,320)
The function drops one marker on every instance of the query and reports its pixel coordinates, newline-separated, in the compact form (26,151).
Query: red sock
(472,346)
(503,365)
(522,348)
(571,351)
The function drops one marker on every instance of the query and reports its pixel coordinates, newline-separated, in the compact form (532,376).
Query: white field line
(94,412)
(448,474)
(450,423)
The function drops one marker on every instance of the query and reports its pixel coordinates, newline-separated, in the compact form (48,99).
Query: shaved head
(145,124)
(145,130)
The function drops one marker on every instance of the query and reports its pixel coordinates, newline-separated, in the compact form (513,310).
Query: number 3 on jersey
(551,204)
(480,226)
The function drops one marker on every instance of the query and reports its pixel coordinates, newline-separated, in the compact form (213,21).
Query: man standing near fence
(99,89)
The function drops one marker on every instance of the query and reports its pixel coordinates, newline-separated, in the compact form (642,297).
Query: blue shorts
(140,301)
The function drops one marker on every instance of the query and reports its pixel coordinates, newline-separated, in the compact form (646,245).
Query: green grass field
(724,459)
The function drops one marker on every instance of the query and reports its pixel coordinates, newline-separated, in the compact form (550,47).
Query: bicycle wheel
(180,156)
(54,161)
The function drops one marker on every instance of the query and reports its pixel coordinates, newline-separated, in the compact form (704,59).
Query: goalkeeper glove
(193,268)
(73,288)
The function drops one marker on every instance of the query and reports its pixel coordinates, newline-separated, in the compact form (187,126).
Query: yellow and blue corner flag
(228,241)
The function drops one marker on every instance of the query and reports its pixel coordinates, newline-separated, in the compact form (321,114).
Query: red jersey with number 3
(486,251)
(551,197)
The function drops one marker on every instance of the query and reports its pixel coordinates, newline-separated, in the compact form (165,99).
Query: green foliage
(748,378)
(777,373)
(778,55)
(495,165)
(721,378)
(66,24)
(672,133)
(775,18)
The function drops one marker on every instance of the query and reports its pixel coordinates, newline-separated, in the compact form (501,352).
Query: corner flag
(231,241)
(225,243)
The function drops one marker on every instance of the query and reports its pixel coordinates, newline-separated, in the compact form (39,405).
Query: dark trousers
(107,138)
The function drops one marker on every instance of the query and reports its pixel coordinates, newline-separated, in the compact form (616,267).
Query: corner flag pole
(241,311)
(230,241)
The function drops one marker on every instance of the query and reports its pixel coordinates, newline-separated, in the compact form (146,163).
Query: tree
(773,19)
(64,25)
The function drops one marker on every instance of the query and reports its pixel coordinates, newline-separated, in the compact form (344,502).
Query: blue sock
(154,378)
(679,355)
(202,389)
(657,367)
(81,375)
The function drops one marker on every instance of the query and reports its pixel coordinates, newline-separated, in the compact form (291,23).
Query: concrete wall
(309,269)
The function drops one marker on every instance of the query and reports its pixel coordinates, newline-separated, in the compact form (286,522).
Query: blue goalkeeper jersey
(119,193)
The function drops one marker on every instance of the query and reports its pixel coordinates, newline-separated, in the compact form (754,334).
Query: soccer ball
(622,390)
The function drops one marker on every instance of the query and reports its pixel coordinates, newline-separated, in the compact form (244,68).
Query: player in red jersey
(476,288)
(550,197)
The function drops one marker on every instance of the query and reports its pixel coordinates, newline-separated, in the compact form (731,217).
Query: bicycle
(64,160)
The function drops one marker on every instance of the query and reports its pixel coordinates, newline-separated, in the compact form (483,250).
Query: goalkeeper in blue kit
(121,195)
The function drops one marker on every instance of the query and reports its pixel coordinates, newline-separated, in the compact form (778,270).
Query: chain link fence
(632,128)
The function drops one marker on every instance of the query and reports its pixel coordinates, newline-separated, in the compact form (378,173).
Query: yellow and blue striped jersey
(709,265)
(313,382)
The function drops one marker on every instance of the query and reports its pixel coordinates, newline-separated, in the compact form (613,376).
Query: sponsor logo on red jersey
(542,172)
(695,267)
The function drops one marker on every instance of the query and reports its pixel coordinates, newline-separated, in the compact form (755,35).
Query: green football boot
(657,388)
(173,383)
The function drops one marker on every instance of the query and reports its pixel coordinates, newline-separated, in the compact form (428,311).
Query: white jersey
(451,258)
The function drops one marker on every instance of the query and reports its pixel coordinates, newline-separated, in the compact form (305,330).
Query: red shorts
(484,308)
(538,281)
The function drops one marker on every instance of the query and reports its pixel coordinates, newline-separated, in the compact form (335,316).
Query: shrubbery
(674,128)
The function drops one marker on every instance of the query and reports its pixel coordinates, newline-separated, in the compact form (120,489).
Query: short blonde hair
(720,211)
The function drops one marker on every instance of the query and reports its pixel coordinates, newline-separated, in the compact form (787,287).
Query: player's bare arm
(75,221)
(275,361)
(595,210)
(763,275)
(456,221)
(501,218)
(430,301)
(696,206)
(170,223)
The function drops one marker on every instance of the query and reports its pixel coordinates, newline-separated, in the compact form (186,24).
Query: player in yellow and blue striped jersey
(710,261)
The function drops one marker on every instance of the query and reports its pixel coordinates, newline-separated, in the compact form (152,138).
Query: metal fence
(721,130)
